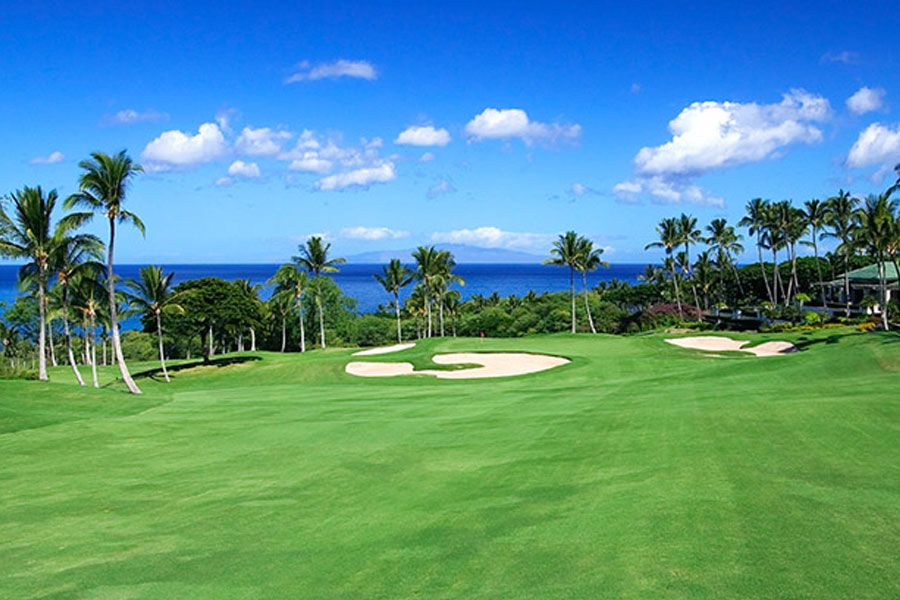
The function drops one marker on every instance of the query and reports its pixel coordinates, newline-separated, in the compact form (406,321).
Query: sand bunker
(384,349)
(498,364)
(717,344)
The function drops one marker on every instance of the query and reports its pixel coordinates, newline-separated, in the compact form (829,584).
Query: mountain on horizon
(462,253)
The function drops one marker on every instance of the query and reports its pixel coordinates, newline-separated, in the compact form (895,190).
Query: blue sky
(397,124)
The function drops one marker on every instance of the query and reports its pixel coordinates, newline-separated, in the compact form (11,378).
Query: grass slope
(640,470)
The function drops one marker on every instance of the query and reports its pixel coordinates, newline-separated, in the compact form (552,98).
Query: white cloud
(224,117)
(845,57)
(358,177)
(877,145)
(224,181)
(579,189)
(635,88)
(865,100)
(493,237)
(373,233)
(240,168)
(178,149)
(440,188)
(510,123)
(665,191)
(427,157)
(340,68)
(707,136)
(261,142)
(50,159)
(423,136)
(311,163)
(129,116)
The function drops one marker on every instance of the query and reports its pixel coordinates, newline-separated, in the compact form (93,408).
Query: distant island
(461,252)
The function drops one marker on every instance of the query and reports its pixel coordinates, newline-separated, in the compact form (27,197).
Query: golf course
(639,469)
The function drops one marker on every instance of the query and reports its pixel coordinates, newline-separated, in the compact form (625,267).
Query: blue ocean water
(356,279)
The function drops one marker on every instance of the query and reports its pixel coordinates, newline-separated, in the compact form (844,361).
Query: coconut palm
(726,244)
(74,256)
(281,303)
(565,253)
(589,259)
(252,292)
(102,188)
(152,296)
(875,230)
(443,278)
(428,265)
(794,227)
(755,220)
(670,237)
(452,304)
(840,225)
(816,216)
(26,233)
(314,258)
(704,275)
(292,283)
(88,296)
(394,277)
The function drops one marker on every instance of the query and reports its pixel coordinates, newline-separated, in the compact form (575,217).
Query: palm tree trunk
(252,339)
(94,350)
(65,309)
(42,341)
(50,347)
(847,282)
(441,306)
(397,308)
(762,268)
(302,330)
(587,306)
(818,267)
(884,300)
(212,348)
(677,293)
(162,355)
(113,319)
(790,290)
(321,323)
(572,294)
(775,275)
(85,341)
(284,331)
(428,310)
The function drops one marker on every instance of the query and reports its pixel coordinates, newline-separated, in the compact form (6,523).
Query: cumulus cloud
(50,159)
(373,233)
(311,163)
(877,145)
(665,191)
(508,123)
(176,149)
(224,181)
(261,142)
(579,189)
(358,178)
(129,116)
(494,237)
(240,168)
(427,157)
(423,136)
(224,117)
(865,100)
(440,188)
(360,69)
(708,136)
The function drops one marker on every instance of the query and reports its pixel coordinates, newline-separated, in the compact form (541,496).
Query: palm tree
(393,278)
(453,302)
(252,292)
(443,278)
(565,253)
(816,216)
(690,235)
(703,274)
(87,291)
(840,225)
(755,220)
(281,303)
(589,259)
(314,258)
(291,282)
(428,265)
(153,296)
(669,232)
(794,227)
(725,242)
(25,232)
(102,188)
(875,230)
(74,256)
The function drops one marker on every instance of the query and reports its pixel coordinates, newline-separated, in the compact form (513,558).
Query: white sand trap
(384,349)
(712,343)
(493,364)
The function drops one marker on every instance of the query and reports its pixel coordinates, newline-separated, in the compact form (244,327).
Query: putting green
(638,470)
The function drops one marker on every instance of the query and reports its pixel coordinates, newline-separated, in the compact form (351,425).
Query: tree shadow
(225,361)
(804,343)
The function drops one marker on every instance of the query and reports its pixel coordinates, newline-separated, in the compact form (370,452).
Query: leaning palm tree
(670,238)
(428,265)
(589,259)
(755,220)
(74,256)
(840,225)
(102,188)
(291,282)
(314,258)
(726,243)
(152,296)
(87,296)
(393,278)
(444,277)
(816,216)
(565,253)
(26,233)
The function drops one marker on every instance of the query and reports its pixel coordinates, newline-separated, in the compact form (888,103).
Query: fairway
(638,470)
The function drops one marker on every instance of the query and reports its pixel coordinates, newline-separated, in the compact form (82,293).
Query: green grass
(639,470)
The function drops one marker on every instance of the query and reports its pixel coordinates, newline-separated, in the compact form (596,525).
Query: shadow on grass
(804,343)
(156,374)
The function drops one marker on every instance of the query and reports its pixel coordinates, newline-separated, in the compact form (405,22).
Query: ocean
(357,282)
